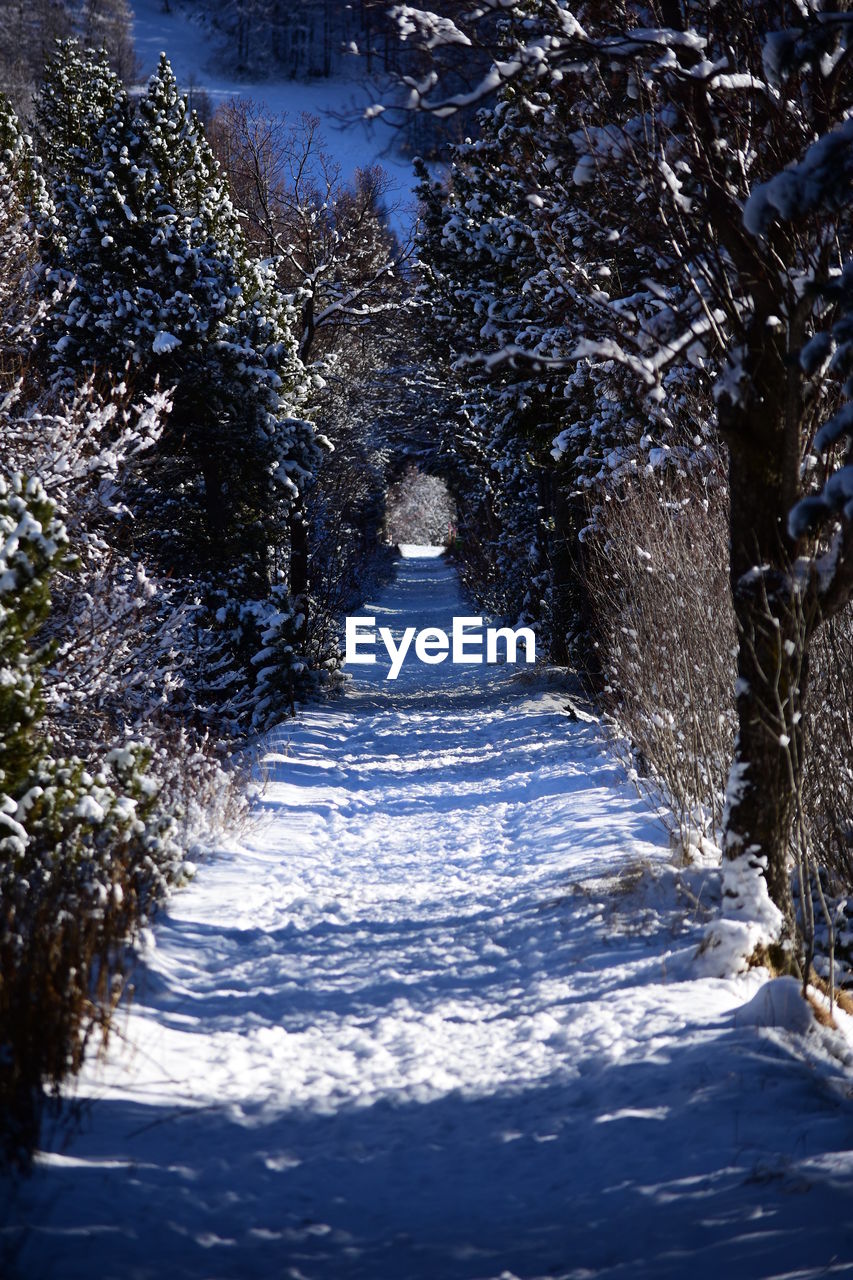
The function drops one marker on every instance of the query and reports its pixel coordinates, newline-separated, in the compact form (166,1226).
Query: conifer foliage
(16,175)
(148,270)
(84,851)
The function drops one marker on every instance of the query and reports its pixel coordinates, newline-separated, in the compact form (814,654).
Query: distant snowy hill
(354,142)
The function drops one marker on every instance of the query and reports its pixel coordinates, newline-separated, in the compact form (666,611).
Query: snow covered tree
(150,265)
(703,118)
(420,510)
(468,277)
(496,278)
(78,91)
(150,272)
(334,251)
(343,270)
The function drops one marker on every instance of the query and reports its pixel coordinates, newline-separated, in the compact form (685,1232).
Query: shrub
(666,632)
(83,854)
(828,781)
(659,584)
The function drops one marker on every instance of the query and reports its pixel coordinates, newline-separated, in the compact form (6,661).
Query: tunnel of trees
(228,386)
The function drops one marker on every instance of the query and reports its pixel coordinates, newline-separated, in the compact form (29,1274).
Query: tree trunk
(774,627)
(767,766)
(574,615)
(215,506)
(299,580)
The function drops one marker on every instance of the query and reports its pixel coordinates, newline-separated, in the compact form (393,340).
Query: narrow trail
(431,1023)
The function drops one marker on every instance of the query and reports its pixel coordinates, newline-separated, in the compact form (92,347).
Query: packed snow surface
(439,1018)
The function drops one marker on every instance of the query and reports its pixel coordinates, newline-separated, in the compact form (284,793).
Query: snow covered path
(432,1024)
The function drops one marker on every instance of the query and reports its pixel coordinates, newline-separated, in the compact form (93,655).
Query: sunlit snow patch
(352,141)
(416,551)
(164,343)
(779,1003)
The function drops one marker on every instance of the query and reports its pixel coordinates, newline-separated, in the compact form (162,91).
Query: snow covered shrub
(135,651)
(85,851)
(665,627)
(281,666)
(117,773)
(228,677)
(89,857)
(168,439)
(33,545)
(667,634)
(106,614)
(828,781)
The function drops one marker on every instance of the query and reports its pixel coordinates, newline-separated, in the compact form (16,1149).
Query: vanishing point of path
(439,1018)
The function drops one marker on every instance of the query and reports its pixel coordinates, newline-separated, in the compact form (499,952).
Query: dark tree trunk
(214,504)
(573,610)
(299,579)
(774,628)
(767,766)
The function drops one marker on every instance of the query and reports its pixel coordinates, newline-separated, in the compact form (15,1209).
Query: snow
(778,1003)
(164,343)
(339,102)
(433,29)
(748,919)
(439,1015)
(89,810)
(414,551)
(801,188)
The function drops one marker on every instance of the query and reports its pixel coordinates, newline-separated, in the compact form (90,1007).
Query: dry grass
(821,1013)
(840,997)
(828,781)
(666,633)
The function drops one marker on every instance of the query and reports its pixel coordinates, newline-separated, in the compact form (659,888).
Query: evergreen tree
(78,92)
(17,178)
(154,273)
